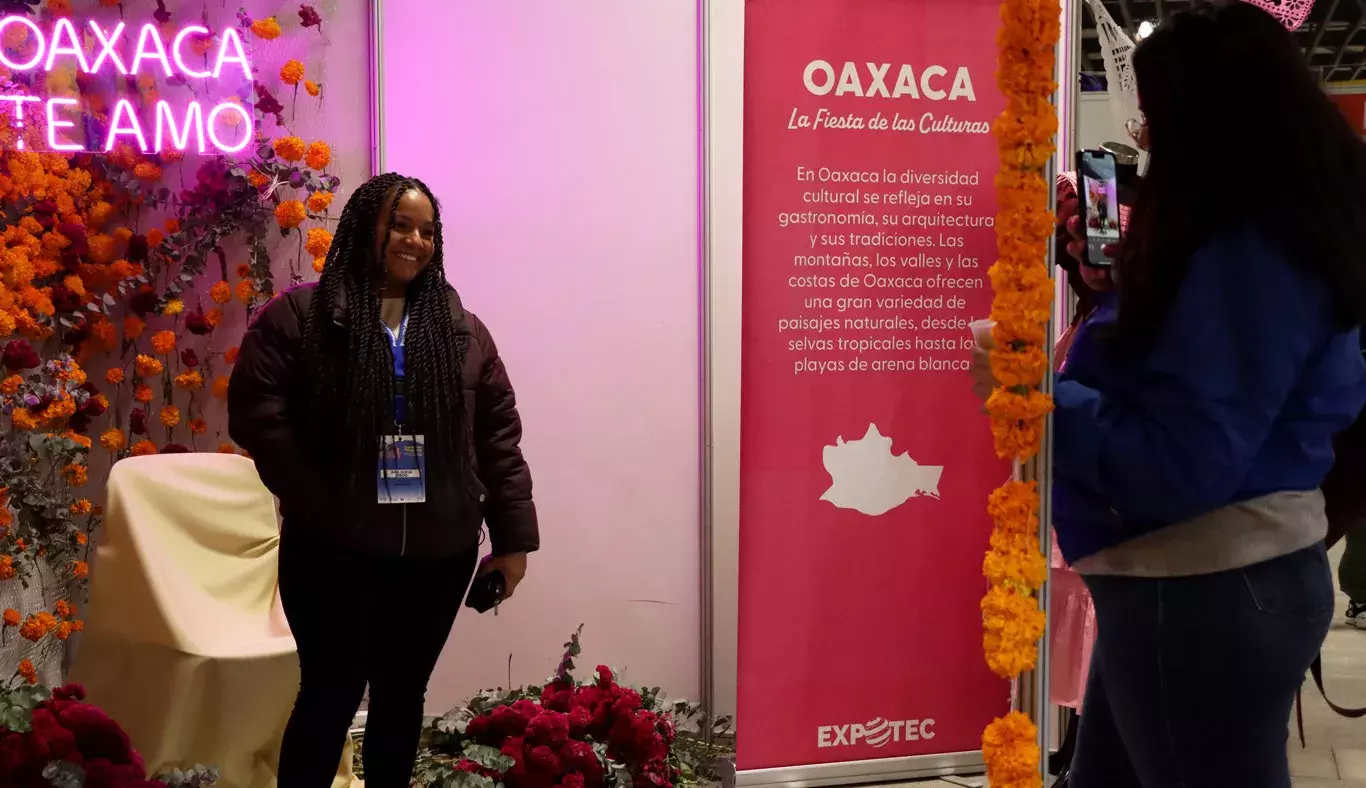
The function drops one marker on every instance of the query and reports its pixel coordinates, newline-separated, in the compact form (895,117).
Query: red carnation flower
(198,324)
(549,727)
(174,448)
(137,249)
(309,16)
(189,358)
(137,421)
(572,780)
(543,759)
(18,356)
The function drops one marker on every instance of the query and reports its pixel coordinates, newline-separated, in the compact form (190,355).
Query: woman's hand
(1096,278)
(983,380)
(513,567)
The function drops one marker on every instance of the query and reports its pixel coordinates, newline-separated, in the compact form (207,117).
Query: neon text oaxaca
(191,127)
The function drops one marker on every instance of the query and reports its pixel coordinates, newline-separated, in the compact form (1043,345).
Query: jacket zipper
(403,543)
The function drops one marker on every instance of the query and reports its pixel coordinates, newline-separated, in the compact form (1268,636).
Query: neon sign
(195,127)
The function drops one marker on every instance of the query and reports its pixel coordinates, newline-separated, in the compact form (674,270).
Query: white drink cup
(981,333)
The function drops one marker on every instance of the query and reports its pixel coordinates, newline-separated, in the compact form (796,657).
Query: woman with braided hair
(379,413)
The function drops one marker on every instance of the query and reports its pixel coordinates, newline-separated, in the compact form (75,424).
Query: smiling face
(405,244)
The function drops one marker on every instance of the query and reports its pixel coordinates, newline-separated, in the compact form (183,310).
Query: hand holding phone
(1098,206)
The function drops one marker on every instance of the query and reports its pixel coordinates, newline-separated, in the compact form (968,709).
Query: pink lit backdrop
(562,138)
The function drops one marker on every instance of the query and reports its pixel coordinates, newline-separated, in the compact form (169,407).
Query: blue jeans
(1193,678)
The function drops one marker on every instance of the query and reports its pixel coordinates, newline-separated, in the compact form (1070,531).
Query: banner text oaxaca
(191,127)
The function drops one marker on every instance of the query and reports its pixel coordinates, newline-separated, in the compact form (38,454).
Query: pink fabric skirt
(1072,616)
(1072,634)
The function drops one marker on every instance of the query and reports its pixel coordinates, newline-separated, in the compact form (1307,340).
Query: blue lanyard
(397,339)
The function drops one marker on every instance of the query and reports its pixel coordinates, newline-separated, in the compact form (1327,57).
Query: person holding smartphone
(1196,415)
(379,412)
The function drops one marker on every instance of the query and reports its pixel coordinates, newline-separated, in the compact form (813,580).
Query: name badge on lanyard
(402,461)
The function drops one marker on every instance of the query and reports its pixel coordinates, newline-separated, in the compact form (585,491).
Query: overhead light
(1146,28)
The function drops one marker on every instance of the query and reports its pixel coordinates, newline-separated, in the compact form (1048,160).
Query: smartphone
(1098,206)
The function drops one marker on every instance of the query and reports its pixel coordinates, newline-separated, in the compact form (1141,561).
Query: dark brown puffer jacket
(268,396)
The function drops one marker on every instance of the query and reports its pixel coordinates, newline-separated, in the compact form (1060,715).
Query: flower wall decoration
(126,278)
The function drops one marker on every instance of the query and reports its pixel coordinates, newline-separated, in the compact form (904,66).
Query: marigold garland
(1015,568)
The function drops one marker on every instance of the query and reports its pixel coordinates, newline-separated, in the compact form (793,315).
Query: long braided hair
(350,367)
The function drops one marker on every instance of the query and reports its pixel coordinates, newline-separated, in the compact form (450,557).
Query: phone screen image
(1100,189)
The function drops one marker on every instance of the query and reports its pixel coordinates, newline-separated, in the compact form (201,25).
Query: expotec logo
(877,733)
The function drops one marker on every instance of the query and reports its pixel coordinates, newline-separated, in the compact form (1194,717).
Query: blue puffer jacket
(1239,396)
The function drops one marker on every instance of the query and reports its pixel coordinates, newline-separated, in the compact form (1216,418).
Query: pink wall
(562,138)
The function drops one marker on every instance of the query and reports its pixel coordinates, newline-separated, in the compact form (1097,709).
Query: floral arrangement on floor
(125,280)
(54,739)
(1014,566)
(570,734)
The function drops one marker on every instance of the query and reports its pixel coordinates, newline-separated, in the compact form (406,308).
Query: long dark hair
(350,366)
(1239,133)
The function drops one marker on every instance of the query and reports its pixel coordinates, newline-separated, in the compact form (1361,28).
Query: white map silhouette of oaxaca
(865,476)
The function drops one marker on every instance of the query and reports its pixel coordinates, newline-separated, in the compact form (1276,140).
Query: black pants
(361,620)
(1193,678)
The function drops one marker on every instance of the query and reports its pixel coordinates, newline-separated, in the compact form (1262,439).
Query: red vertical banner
(866,462)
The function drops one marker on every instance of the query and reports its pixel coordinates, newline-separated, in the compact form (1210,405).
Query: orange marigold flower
(213,317)
(319,263)
(190,381)
(257,179)
(155,236)
(26,670)
(292,72)
(11,384)
(77,438)
(64,609)
(82,506)
(246,291)
(173,307)
(319,201)
(99,213)
(172,225)
(231,354)
(198,426)
(133,326)
(319,241)
(163,342)
(81,538)
(243,270)
(7,571)
(319,155)
(267,29)
(147,366)
(226,448)
(143,394)
(143,448)
(221,292)
(80,569)
(11,617)
(22,420)
(123,234)
(170,415)
(76,474)
(113,439)
(220,387)
(147,171)
(63,630)
(35,628)
(290,214)
(114,376)
(313,88)
(289,148)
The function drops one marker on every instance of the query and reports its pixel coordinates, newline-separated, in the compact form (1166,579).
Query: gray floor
(1336,751)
